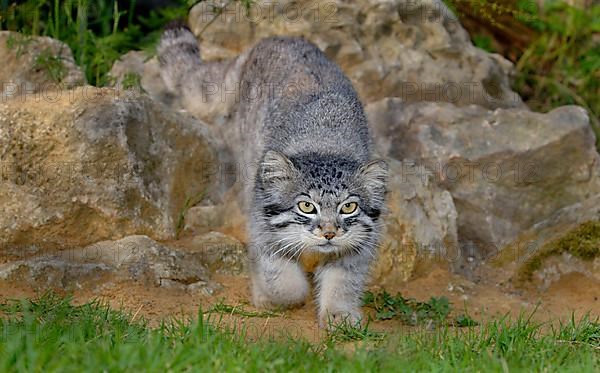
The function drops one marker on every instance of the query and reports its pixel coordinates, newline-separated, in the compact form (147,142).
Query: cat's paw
(277,283)
(332,319)
(264,302)
(292,296)
(261,300)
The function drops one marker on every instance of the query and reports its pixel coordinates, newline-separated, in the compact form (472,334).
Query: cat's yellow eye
(306,207)
(349,208)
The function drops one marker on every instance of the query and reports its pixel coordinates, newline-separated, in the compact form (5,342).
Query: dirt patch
(572,294)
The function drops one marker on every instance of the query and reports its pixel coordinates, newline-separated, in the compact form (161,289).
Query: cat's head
(321,203)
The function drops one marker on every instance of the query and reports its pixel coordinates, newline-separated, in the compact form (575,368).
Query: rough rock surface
(557,266)
(136,258)
(416,50)
(420,225)
(220,253)
(90,166)
(35,65)
(508,170)
(204,218)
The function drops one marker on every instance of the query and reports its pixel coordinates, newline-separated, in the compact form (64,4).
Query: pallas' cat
(314,189)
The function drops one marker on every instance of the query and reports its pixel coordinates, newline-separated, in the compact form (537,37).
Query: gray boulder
(509,170)
(92,165)
(137,258)
(35,66)
(219,252)
(419,226)
(416,50)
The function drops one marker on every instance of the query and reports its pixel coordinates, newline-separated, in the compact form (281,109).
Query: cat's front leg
(340,287)
(277,282)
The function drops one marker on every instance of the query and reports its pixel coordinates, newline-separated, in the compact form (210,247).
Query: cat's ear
(373,177)
(276,169)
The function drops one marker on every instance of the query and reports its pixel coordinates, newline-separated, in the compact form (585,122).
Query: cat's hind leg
(178,55)
(207,89)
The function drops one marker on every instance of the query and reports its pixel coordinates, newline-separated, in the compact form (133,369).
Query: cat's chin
(326,248)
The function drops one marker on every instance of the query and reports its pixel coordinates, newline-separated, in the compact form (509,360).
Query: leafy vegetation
(51,64)
(484,42)
(98,32)
(18,43)
(560,64)
(49,333)
(190,201)
(132,81)
(435,311)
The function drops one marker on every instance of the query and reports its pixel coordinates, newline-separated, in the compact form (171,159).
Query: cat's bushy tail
(178,53)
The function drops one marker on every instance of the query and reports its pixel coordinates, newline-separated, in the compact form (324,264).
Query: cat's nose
(329,235)
(328,230)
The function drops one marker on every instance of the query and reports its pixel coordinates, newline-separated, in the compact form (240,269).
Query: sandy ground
(573,293)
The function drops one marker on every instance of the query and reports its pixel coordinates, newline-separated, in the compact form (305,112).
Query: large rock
(35,66)
(416,50)
(508,170)
(545,261)
(89,165)
(219,252)
(420,226)
(136,258)
(204,218)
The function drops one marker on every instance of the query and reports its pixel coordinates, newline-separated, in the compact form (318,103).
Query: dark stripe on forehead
(325,172)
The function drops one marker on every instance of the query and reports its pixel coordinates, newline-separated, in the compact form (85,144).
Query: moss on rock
(582,242)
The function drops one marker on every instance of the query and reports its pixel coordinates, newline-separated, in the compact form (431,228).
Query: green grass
(51,64)
(190,201)
(562,66)
(132,81)
(346,331)
(239,310)
(408,310)
(97,31)
(483,42)
(51,334)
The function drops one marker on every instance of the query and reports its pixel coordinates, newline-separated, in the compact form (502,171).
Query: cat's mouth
(326,247)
